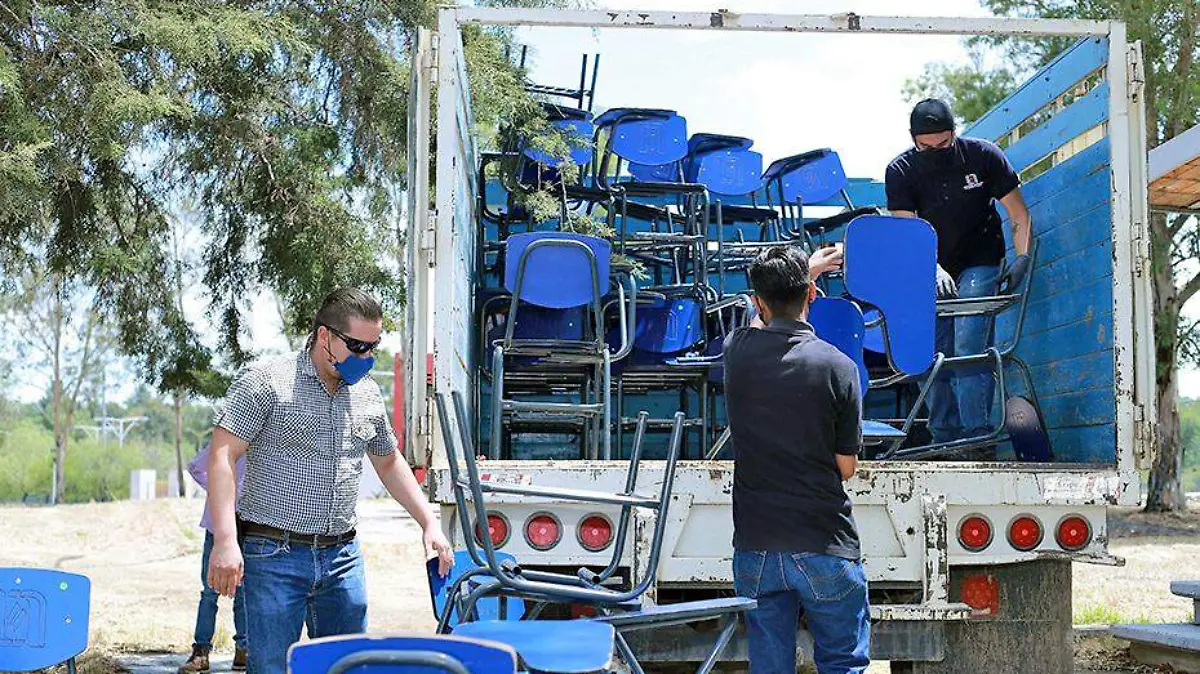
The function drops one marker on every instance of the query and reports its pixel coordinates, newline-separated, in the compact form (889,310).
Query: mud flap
(1028,631)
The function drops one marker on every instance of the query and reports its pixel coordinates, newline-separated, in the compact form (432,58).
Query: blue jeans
(960,400)
(206,613)
(289,585)
(830,591)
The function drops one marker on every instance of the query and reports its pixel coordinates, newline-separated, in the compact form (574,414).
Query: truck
(969,562)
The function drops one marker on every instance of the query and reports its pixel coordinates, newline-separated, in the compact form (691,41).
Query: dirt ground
(144,562)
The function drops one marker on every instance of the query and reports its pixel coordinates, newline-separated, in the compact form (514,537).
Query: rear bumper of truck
(908,516)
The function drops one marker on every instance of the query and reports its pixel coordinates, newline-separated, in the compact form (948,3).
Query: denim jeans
(960,400)
(830,591)
(206,613)
(289,585)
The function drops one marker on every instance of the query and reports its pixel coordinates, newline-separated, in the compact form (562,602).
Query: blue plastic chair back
(655,173)
(891,264)
(578,134)
(487,608)
(558,268)
(727,172)
(43,617)
(840,322)
(654,141)
(476,655)
(553,646)
(815,179)
(669,327)
(700,143)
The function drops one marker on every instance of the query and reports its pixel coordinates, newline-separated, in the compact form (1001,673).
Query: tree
(1168,32)
(52,318)
(283,121)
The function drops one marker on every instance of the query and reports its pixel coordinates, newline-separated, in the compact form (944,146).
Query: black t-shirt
(793,403)
(957,196)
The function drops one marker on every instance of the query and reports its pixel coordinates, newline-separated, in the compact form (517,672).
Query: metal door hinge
(429,237)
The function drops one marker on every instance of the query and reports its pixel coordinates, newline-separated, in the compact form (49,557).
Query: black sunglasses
(355,345)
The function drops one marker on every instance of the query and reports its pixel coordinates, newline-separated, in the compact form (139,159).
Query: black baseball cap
(930,116)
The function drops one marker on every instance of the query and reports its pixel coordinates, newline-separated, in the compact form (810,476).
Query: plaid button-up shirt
(306,446)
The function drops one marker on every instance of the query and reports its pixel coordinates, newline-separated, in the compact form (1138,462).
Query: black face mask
(935,159)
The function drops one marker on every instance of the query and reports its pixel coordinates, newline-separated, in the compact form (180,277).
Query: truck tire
(1029,631)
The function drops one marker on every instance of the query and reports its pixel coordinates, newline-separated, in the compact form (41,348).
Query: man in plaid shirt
(304,422)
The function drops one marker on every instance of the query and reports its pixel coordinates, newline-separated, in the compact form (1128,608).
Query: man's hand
(225,568)
(1015,275)
(436,540)
(946,287)
(825,259)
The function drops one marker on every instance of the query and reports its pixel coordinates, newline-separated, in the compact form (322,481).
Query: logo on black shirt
(972,182)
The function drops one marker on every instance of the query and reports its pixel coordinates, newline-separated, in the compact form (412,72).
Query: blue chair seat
(551,646)
(478,657)
(878,431)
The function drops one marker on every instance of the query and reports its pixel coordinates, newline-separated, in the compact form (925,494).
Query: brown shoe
(239,660)
(198,663)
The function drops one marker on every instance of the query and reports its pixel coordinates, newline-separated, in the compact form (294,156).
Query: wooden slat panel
(1087,444)
(1048,84)
(1083,114)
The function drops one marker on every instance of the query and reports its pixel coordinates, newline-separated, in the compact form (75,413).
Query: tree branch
(1189,289)
(1182,71)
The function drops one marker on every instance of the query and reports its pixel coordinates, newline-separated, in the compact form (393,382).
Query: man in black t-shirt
(794,409)
(954,184)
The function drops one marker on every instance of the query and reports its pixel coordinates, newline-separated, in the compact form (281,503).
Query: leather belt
(284,536)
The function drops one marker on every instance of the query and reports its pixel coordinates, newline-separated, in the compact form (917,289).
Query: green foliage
(970,89)
(95,470)
(282,123)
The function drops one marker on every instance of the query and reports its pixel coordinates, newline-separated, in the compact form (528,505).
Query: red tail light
(1074,533)
(542,531)
(974,533)
(1025,532)
(981,592)
(595,533)
(498,530)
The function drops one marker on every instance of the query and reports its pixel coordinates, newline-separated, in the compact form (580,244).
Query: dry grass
(144,562)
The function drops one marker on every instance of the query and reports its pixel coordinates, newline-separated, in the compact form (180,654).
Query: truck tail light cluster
(1025,532)
(543,531)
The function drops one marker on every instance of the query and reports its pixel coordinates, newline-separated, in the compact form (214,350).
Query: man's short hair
(341,305)
(779,277)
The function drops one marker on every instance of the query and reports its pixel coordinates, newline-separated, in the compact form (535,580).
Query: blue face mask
(354,368)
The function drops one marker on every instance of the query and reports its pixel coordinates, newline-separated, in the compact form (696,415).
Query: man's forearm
(222,496)
(398,479)
(1022,229)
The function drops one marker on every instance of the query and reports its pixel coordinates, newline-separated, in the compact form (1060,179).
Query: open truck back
(946,595)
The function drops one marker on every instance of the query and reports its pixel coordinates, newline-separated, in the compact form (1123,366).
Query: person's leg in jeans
(278,578)
(944,424)
(833,593)
(771,627)
(975,385)
(206,612)
(206,618)
(239,623)
(338,604)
